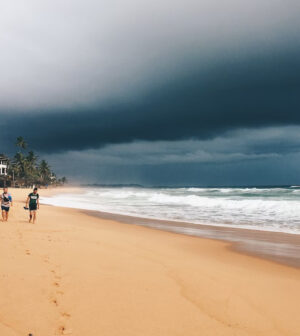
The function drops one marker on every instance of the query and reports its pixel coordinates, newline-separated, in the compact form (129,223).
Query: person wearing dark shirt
(33,204)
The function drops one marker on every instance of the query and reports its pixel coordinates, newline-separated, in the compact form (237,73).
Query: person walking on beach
(33,203)
(6,203)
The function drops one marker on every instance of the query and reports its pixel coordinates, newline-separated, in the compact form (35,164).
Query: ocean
(275,209)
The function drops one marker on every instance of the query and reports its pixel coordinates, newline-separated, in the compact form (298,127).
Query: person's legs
(4,211)
(34,216)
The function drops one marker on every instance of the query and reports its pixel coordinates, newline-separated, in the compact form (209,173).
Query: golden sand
(75,274)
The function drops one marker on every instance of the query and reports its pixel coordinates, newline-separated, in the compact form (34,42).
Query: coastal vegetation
(26,169)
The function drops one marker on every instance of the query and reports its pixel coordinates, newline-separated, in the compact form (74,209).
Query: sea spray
(269,209)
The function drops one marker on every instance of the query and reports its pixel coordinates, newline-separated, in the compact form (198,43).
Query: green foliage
(45,172)
(21,143)
(25,168)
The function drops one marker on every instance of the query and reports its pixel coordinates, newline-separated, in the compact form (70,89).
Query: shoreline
(280,247)
(73,273)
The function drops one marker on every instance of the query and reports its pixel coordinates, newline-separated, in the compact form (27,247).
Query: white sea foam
(270,209)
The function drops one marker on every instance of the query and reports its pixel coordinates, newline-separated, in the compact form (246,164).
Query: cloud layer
(259,92)
(255,156)
(143,84)
(76,53)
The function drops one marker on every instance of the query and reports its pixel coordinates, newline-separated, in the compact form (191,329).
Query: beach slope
(75,274)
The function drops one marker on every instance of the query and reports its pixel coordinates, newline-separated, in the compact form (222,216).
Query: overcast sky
(169,92)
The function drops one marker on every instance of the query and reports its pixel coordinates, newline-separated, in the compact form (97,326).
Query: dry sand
(75,274)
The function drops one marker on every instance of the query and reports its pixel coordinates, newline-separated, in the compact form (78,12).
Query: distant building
(3,165)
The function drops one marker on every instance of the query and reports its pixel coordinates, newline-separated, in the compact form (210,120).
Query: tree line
(25,168)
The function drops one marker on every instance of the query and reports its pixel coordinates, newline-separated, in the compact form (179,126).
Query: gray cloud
(244,143)
(258,92)
(242,148)
(152,92)
(73,54)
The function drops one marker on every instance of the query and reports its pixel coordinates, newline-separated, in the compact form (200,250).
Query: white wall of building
(3,167)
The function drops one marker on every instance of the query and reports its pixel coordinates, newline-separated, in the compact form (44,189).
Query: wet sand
(276,246)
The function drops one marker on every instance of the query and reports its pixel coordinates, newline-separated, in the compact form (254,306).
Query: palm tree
(31,159)
(31,167)
(21,143)
(44,172)
(19,165)
(27,170)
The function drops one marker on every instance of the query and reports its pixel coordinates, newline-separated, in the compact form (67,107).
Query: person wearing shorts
(6,203)
(33,204)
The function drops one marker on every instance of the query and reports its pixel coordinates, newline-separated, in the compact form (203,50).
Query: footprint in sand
(64,331)
(54,301)
(55,274)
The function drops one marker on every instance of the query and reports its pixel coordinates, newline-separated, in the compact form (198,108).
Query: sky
(154,93)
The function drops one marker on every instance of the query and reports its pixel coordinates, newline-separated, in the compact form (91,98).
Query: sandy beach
(76,274)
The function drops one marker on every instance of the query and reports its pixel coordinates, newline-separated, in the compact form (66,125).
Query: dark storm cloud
(241,145)
(154,92)
(262,90)
(240,157)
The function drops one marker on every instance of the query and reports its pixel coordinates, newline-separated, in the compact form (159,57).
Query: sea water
(274,209)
